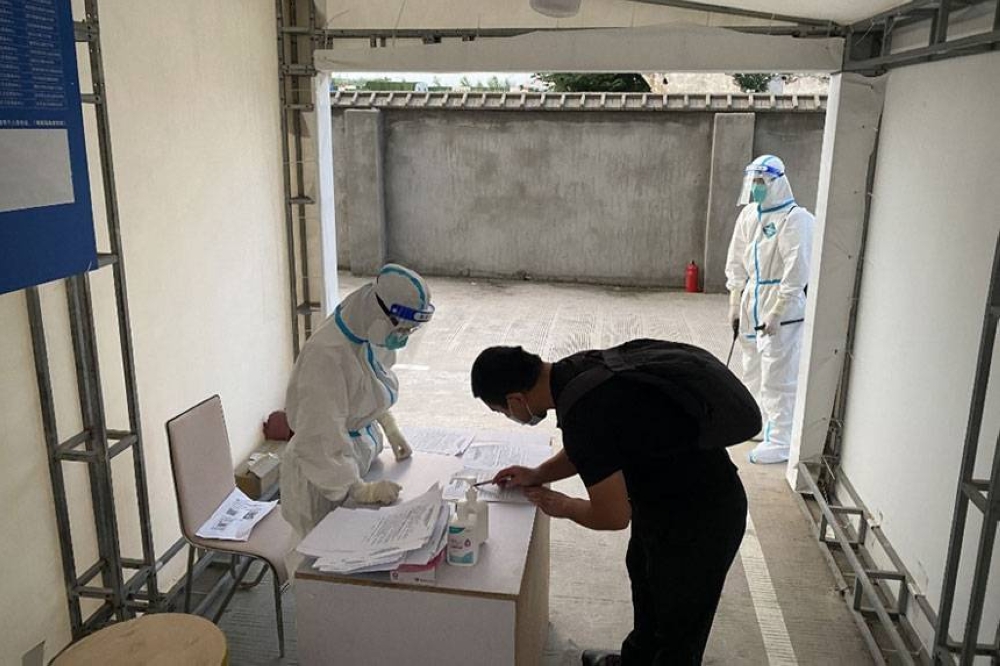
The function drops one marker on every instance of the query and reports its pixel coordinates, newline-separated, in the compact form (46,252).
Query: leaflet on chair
(235,518)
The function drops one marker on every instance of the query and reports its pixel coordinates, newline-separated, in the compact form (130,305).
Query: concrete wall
(596,196)
(930,247)
(192,94)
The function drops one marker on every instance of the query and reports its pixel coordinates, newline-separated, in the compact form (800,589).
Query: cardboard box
(262,471)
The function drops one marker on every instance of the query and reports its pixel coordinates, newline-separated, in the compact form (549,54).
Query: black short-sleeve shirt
(628,426)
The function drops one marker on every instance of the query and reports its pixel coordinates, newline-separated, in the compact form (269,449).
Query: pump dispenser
(469,528)
(481,510)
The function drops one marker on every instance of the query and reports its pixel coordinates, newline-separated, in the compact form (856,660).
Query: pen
(488,481)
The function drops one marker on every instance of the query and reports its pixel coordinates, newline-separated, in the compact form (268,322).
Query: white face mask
(532,419)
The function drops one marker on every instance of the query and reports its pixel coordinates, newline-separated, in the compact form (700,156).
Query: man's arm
(607,508)
(556,468)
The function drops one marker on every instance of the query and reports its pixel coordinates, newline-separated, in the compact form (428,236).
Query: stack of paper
(494,456)
(350,541)
(482,461)
(442,441)
(235,518)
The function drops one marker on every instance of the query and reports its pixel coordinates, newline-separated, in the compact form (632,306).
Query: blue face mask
(758,192)
(395,341)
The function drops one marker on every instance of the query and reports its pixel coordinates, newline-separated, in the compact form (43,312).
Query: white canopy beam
(683,48)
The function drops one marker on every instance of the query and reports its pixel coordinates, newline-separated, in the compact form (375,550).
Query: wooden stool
(162,639)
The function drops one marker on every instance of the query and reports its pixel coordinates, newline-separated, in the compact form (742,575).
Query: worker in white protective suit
(767,271)
(339,397)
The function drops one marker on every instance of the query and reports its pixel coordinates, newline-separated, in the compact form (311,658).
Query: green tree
(622,82)
(753,83)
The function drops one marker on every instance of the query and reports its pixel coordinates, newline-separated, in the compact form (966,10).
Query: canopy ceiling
(449,14)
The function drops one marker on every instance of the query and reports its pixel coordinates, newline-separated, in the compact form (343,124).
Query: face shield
(406,319)
(757,177)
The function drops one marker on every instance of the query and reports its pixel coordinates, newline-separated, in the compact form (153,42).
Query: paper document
(235,518)
(443,441)
(361,540)
(494,456)
(457,488)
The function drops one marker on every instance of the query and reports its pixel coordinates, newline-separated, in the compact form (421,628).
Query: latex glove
(734,310)
(772,323)
(376,492)
(400,447)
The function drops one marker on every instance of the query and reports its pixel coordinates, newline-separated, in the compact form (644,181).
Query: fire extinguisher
(691,278)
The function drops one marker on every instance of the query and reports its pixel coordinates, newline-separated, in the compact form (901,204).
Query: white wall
(934,227)
(192,90)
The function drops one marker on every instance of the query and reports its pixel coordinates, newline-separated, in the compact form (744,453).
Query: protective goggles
(763,173)
(406,318)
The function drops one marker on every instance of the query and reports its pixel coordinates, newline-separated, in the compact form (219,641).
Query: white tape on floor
(770,619)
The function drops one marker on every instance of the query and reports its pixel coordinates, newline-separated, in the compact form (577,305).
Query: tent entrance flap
(684,48)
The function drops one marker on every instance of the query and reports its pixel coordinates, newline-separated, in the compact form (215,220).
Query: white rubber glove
(771,323)
(376,492)
(734,310)
(400,447)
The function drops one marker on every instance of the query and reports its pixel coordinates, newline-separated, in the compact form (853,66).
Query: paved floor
(780,605)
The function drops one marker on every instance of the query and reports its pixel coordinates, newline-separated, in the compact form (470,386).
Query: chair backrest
(201,462)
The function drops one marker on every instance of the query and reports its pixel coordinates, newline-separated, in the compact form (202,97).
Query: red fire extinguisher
(691,278)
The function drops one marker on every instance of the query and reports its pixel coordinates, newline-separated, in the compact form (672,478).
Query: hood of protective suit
(779,190)
(363,319)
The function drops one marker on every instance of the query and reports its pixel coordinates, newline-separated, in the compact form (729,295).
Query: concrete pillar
(365,198)
(853,110)
(732,149)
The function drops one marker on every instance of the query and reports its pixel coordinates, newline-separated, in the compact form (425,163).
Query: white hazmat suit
(767,270)
(341,385)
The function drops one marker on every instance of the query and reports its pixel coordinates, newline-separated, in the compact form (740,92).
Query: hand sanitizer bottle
(463,539)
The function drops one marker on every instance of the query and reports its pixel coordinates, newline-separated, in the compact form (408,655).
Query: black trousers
(678,557)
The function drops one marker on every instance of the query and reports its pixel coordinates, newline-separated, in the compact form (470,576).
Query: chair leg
(256,581)
(237,576)
(188,581)
(277,611)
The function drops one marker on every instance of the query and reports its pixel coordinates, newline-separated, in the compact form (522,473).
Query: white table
(495,612)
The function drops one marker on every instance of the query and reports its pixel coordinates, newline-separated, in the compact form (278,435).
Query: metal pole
(306,314)
(121,300)
(47,403)
(939,24)
(287,178)
(984,558)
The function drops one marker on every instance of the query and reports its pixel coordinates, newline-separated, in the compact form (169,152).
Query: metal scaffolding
(869,48)
(983,494)
(126,586)
(296,43)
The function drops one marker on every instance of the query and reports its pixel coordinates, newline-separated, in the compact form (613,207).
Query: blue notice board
(46,220)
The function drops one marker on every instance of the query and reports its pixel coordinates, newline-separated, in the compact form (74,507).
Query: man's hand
(772,323)
(376,492)
(517,477)
(550,502)
(735,297)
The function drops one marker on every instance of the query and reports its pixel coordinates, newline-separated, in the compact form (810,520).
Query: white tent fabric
(441,14)
(681,48)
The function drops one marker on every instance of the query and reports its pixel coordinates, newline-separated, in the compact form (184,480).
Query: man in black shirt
(635,451)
